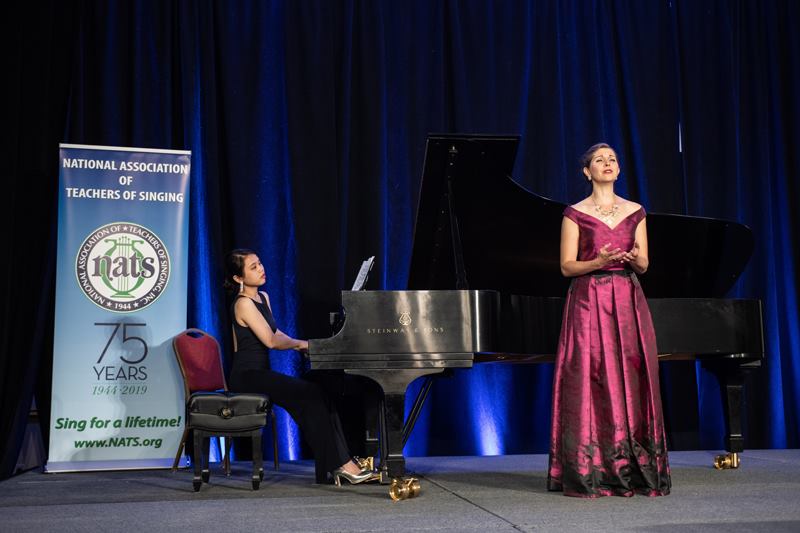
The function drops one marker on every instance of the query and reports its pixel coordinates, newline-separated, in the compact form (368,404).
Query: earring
(241,286)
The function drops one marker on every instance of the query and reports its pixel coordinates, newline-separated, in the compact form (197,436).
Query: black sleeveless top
(250,351)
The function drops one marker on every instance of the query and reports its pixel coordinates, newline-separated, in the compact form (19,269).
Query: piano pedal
(368,464)
(727,461)
(365,463)
(404,488)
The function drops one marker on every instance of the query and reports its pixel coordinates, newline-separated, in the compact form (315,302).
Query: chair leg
(206,458)
(275,442)
(258,459)
(197,480)
(227,459)
(180,449)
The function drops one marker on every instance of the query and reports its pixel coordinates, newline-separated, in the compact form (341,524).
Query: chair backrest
(200,360)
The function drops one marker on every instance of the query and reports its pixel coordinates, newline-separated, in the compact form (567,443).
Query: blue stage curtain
(307,120)
(739,114)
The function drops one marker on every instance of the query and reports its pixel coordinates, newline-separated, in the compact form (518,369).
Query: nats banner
(121,290)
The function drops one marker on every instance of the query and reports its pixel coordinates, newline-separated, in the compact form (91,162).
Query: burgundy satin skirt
(607,435)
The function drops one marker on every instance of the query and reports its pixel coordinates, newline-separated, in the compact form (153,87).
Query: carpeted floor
(503,493)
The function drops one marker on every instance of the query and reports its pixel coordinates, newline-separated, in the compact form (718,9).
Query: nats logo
(122,267)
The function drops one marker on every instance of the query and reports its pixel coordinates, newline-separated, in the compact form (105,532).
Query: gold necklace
(606,216)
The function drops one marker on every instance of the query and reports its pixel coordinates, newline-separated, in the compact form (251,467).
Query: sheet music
(363,273)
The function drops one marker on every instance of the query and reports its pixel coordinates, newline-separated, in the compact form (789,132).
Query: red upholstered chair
(211,410)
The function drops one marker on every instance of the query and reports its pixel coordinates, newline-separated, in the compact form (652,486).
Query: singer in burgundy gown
(607,434)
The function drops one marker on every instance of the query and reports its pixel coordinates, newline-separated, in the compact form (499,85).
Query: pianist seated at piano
(255,333)
(607,435)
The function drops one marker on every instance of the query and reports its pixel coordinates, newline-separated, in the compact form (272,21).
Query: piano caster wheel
(727,461)
(404,488)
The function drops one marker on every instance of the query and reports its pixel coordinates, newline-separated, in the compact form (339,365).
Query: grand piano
(485,287)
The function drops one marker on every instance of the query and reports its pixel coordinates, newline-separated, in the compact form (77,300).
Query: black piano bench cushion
(227,411)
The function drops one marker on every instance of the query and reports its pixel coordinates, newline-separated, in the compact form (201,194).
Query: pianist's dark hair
(586,158)
(234,266)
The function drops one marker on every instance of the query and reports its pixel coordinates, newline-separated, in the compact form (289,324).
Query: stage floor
(502,493)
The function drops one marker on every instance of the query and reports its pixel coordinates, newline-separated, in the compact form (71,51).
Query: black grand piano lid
(508,236)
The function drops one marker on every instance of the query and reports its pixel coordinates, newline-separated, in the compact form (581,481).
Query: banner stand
(121,295)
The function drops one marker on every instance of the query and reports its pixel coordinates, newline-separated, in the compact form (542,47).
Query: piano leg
(731,385)
(394,383)
(394,407)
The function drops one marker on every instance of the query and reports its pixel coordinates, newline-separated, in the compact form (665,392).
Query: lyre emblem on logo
(122,267)
(121,285)
(405,319)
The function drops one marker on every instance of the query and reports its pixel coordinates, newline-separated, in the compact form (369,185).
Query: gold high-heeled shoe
(354,479)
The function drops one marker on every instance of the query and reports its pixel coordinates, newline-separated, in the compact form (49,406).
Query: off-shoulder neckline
(612,228)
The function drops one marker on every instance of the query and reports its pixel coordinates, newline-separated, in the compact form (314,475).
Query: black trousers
(307,405)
